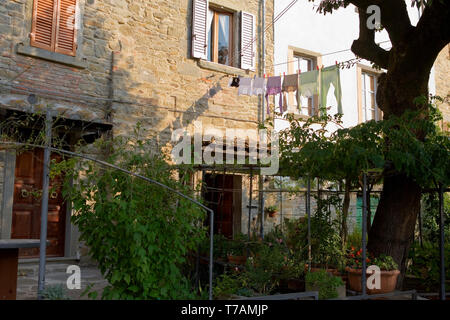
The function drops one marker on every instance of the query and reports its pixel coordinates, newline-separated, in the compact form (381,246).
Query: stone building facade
(442,78)
(113,63)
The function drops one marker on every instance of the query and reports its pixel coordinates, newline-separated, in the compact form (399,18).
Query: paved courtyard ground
(56,275)
(28,273)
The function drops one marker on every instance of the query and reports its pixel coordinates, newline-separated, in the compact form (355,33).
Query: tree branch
(394,17)
(365,46)
(434,22)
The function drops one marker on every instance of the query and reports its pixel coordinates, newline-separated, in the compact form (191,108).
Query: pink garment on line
(273,88)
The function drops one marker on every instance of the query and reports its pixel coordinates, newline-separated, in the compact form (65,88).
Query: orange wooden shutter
(65,29)
(44,22)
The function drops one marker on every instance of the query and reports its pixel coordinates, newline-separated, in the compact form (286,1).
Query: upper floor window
(368,97)
(220,37)
(305,64)
(53,26)
(216,37)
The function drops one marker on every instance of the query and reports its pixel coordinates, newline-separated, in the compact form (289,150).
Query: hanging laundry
(285,105)
(245,86)
(309,83)
(273,88)
(234,82)
(258,86)
(331,75)
(290,84)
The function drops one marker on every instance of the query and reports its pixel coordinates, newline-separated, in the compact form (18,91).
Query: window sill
(51,56)
(222,68)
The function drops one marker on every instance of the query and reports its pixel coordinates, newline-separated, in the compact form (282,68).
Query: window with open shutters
(54,26)
(214,37)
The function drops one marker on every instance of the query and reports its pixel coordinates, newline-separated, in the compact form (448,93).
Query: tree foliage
(308,148)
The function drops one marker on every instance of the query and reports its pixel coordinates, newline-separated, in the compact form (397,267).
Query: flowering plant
(384,262)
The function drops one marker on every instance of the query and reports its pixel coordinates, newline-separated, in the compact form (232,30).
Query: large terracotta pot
(237,259)
(388,281)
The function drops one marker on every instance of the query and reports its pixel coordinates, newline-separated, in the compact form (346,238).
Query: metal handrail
(413,294)
(286,296)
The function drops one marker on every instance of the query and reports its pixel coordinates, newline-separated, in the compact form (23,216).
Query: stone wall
(135,53)
(442,78)
(133,64)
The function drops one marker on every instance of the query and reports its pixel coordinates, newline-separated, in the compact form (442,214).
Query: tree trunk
(393,227)
(408,64)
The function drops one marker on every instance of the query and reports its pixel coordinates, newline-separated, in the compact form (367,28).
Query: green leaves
(411,144)
(138,233)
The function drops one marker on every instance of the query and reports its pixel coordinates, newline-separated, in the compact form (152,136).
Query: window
(215,36)
(220,39)
(368,97)
(53,26)
(305,64)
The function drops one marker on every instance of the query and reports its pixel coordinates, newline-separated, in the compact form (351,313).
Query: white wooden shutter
(248,43)
(199,28)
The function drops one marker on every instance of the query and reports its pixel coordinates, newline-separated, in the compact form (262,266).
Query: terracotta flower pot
(237,259)
(387,283)
(272,214)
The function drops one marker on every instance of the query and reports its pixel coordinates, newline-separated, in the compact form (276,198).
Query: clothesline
(322,55)
(307,84)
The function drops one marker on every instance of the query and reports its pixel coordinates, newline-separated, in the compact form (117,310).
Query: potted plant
(271,211)
(328,286)
(387,265)
(236,252)
(295,276)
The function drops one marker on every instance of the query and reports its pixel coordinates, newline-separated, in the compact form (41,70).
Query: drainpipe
(262,72)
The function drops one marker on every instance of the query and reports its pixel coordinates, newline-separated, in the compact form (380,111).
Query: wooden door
(26,219)
(219,197)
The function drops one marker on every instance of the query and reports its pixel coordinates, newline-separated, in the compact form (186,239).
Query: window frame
(365,91)
(362,71)
(214,29)
(25,48)
(312,64)
(316,58)
(57,12)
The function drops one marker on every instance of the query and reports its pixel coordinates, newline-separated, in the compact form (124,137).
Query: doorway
(223,194)
(26,209)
